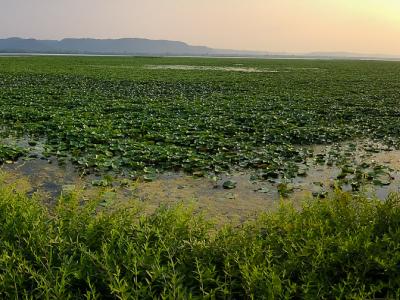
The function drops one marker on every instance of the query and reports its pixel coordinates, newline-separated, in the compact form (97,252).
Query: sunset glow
(365,26)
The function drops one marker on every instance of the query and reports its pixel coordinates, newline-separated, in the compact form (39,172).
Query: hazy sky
(368,26)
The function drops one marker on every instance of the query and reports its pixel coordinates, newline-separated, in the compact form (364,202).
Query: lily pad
(101,183)
(230,184)
(263,190)
(149,177)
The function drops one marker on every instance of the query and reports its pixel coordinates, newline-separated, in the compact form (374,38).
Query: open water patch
(211,68)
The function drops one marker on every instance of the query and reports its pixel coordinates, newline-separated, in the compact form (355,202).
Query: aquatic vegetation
(10,154)
(229,184)
(122,117)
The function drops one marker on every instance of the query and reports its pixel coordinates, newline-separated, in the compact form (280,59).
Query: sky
(298,26)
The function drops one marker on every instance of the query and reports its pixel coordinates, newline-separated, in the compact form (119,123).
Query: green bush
(344,247)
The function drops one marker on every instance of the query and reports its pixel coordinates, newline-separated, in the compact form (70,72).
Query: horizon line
(317,53)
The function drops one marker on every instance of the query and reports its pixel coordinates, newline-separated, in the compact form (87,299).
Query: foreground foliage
(346,247)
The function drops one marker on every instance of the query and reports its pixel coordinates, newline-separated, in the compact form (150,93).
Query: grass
(342,247)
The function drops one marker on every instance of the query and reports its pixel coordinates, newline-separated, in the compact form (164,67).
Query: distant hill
(136,46)
(107,46)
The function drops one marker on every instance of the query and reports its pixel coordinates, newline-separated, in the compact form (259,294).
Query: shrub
(342,247)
